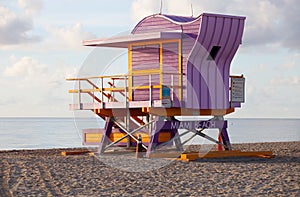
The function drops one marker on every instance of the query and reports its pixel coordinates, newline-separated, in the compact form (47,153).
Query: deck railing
(120,88)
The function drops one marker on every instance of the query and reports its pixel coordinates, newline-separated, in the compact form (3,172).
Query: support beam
(105,138)
(177,111)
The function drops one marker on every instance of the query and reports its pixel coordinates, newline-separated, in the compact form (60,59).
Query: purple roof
(179,18)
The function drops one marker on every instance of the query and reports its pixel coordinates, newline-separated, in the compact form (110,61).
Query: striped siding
(143,80)
(155,24)
(143,59)
(191,29)
(207,81)
(210,79)
(170,65)
(143,95)
(191,32)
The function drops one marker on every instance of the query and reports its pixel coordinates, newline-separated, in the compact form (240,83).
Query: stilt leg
(154,137)
(219,146)
(177,141)
(225,139)
(175,134)
(105,137)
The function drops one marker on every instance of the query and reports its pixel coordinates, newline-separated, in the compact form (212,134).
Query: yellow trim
(160,68)
(153,71)
(93,137)
(154,42)
(145,87)
(179,70)
(129,71)
(119,89)
(150,71)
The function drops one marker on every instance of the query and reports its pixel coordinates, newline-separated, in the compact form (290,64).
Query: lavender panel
(214,78)
(143,95)
(220,61)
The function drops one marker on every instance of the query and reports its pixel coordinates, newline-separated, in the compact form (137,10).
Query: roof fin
(192,10)
(161,5)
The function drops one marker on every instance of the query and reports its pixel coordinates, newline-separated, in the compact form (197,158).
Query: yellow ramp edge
(222,154)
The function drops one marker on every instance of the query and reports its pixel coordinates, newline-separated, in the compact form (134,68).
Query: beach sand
(47,173)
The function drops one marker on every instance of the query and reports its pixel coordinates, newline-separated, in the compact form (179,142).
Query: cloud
(269,22)
(58,78)
(30,69)
(286,81)
(31,7)
(36,87)
(143,8)
(69,37)
(15,29)
(27,68)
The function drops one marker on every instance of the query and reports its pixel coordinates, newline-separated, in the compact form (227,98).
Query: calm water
(37,133)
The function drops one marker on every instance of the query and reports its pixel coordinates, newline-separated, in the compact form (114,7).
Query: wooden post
(102,98)
(150,90)
(139,147)
(79,95)
(127,118)
(219,146)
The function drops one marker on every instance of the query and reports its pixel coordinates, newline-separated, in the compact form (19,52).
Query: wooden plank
(65,153)
(222,154)
(120,112)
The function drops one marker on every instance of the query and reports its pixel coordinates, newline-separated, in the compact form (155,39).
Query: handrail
(121,77)
(100,93)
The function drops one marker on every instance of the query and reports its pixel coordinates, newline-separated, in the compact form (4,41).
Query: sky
(41,45)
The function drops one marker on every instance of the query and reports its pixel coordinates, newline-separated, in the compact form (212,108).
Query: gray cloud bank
(16,28)
(269,22)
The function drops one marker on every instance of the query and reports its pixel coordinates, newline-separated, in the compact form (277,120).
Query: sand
(47,173)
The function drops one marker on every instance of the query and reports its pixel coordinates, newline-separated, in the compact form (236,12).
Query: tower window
(213,53)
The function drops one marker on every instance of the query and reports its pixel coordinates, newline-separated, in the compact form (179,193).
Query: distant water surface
(40,133)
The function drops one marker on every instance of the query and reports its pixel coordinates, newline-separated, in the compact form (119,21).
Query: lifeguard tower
(177,66)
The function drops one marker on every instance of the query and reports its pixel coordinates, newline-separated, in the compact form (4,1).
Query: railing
(120,88)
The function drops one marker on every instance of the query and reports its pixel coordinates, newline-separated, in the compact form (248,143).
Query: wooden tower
(177,66)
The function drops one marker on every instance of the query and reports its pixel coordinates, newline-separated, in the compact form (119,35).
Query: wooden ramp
(213,154)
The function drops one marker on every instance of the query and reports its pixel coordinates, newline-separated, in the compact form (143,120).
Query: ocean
(42,133)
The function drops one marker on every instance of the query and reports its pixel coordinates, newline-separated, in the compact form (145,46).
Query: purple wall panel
(144,58)
(143,80)
(170,65)
(207,81)
(146,66)
(234,48)
(213,77)
(143,95)
(225,32)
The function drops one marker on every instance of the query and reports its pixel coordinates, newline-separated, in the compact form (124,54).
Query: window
(213,53)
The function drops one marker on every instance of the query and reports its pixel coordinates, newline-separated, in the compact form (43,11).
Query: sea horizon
(49,132)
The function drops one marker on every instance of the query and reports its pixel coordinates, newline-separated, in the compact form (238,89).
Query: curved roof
(179,18)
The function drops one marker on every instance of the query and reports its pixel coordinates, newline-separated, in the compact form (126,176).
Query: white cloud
(32,70)
(31,7)
(143,8)
(58,78)
(69,37)
(35,87)
(287,81)
(27,68)
(288,65)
